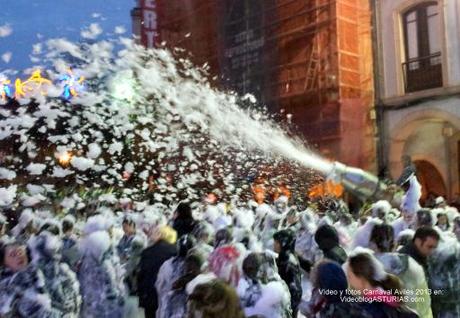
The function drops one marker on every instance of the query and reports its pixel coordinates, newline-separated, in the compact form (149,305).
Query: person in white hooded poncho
(22,285)
(176,300)
(275,299)
(444,276)
(404,267)
(102,288)
(227,258)
(170,271)
(305,244)
(381,209)
(363,234)
(60,282)
(204,233)
(243,220)
(70,250)
(409,207)
(379,290)
(129,250)
(27,226)
(249,287)
(261,213)
(223,219)
(270,219)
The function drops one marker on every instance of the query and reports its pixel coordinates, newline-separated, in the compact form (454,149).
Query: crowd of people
(231,260)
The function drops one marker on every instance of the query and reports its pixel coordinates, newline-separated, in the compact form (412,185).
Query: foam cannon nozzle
(362,184)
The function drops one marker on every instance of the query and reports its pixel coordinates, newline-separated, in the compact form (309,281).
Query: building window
(422,68)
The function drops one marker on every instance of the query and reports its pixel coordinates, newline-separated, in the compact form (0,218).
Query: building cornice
(415,98)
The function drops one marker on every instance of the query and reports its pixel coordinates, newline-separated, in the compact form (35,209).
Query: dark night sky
(31,19)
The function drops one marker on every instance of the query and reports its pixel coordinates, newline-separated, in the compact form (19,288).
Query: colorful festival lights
(36,83)
(72,84)
(5,89)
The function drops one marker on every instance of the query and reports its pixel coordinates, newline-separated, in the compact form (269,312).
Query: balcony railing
(423,73)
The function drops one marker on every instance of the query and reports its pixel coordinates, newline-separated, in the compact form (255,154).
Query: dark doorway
(430,179)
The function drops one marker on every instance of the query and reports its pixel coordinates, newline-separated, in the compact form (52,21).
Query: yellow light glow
(19,88)
(35,81)
(64,158)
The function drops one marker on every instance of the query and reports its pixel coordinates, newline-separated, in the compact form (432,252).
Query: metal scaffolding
(309,58)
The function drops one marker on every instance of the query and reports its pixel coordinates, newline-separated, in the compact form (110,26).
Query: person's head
(268,268)
(408,217)
(405,237)
(148,221)
(442,219)
(46,246)
(346,219)
(381,209)
(31,227)
(284,241)
(50,227)
(223,236)
(193,264)
(382,237)
(326,237)
(183,211)
(440,202)
(203,232)
(292,216)
(225,263)
(251,266)
(184,244)
(128,225)
(214,299)
(364,271)
(164,233)
(281,203)
(426,240)
(14,256)
(259,197)
(211,198)
(67,226)
(329,275)
(424,218)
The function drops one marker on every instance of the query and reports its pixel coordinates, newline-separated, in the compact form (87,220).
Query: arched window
(422,43)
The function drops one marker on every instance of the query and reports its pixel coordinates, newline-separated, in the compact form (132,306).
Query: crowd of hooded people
(209,260)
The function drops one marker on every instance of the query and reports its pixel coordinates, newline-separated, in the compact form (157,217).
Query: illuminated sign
(149,24)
